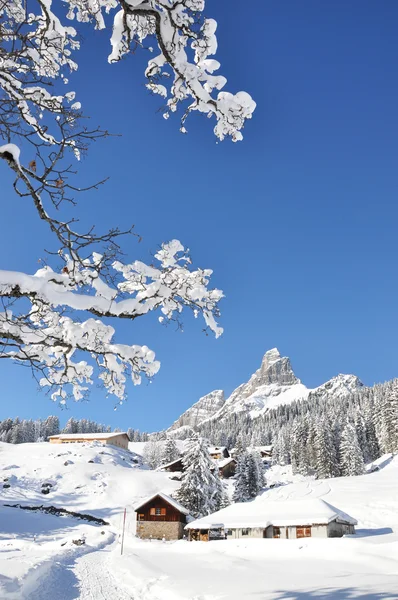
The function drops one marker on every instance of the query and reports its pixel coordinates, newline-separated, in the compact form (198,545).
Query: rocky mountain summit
(272,385)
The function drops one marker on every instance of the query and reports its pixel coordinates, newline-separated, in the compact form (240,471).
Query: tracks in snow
(84,577)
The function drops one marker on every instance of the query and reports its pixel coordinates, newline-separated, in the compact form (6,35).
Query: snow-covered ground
(39,561)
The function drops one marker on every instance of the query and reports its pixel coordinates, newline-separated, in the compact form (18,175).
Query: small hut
(160,516)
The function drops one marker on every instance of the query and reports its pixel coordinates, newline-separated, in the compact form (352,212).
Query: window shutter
(152,511)
(163,511)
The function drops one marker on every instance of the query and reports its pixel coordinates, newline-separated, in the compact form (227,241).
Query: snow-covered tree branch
(50,340)
(38,47)
(52,320)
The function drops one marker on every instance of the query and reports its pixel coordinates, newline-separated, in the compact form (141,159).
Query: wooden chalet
(226,467)
(160,516)
(218,452)
(173,466)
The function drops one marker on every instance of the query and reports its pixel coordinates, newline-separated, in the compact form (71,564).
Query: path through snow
(87,577)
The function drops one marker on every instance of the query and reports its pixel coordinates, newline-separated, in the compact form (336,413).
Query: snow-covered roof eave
(166,498)
(87,436)
(173,462)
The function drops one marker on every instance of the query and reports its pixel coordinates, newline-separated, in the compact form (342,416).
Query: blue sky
(298,221)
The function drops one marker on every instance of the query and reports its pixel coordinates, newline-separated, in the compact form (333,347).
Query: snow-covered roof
(169,464)
(224,461)
(280,514)
(87,436)
(166,498)
(216,449)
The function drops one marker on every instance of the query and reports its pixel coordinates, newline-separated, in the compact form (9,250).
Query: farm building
(262,519)
(161,517)
(119,439)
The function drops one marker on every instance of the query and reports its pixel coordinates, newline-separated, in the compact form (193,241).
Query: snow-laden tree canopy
(53,320)
(39,44)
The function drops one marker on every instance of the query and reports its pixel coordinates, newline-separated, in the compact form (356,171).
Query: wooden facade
(173,467)
(158,509)
(119,439)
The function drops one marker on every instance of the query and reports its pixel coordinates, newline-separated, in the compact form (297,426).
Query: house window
(245,531)
(157,512)
(302,532)
(141,517)
(228,532)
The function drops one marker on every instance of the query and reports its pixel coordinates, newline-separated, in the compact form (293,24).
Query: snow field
(34,565)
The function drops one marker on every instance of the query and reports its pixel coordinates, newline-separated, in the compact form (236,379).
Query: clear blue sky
(298,221)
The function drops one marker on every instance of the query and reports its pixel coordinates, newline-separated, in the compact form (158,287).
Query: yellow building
(119,439)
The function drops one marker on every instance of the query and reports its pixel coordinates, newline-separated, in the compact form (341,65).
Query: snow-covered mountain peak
(272,385)
(272,355)
(338,386)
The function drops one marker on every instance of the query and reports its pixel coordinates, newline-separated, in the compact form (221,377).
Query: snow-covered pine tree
(351,459)
(170,451)
(326,459)
(202,491)
(152,454)
(249,477)
(240,491)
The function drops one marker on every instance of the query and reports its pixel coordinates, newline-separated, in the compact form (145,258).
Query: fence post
(124,526)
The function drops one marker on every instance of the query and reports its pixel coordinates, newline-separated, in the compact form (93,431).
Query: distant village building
(160,516)
(264,451)
(173,466)
(119,439)
(226,466)
(284,519)
(218,452)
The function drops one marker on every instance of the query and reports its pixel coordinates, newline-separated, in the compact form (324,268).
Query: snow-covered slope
(272,385)
(39,558)
(100,479)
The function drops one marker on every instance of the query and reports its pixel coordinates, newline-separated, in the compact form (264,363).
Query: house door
(276,532)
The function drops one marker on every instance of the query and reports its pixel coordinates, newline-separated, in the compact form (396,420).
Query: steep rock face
(202,410)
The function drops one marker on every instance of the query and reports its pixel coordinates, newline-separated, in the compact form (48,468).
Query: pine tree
(202,491)
(351,459)
(326,459)
(249,477)
(170,451)
(240,491)
(152,454)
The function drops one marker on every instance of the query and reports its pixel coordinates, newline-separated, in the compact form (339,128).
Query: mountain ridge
(273,384)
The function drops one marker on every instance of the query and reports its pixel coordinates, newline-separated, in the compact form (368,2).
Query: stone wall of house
(158,530)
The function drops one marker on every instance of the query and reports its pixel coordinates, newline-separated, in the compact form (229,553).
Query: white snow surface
(38,560)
